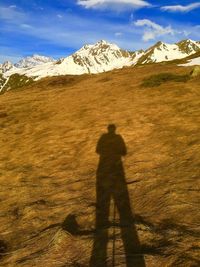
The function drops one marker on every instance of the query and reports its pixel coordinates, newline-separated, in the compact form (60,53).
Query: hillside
(49,132)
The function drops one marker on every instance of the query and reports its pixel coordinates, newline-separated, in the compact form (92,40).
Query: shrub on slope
(15,81)
(158,79)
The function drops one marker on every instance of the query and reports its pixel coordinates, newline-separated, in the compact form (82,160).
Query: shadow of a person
(111,183)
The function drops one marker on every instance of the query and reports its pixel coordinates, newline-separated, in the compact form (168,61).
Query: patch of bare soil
(48,167)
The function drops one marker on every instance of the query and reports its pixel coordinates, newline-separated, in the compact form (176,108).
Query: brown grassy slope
(47,166)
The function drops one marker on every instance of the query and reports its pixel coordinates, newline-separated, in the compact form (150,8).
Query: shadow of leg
(99,251)
(132,247)
(134,257)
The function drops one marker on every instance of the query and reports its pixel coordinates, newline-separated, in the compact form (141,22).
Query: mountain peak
(188,46)
(159,43)
(186,41)
(7,65)
(97,44)
(101,48)
(103,42)
(33,60)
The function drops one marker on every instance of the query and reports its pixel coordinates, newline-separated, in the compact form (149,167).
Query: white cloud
(113,4)
(24,25)
(10,13)
(153,30)
(59,16)
(131,18)
(118,34)
(180,8)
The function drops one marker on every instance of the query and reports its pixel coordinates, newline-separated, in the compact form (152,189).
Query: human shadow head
(111,147)
(111,128)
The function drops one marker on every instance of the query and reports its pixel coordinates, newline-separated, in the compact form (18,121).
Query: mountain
(32,61)
(6,66)
(166,52)
(97,58)
(100,57)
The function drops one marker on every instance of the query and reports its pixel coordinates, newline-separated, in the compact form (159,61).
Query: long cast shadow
(111,183)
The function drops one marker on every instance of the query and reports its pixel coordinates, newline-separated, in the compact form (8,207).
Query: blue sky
(57,28)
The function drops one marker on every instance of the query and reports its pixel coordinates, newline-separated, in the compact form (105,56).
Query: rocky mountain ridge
(166,52)
(32,61)
(100,57)
(96,58)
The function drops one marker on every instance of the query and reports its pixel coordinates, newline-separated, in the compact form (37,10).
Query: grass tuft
(158,79)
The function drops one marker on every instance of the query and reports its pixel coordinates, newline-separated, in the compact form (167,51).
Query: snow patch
(192,62)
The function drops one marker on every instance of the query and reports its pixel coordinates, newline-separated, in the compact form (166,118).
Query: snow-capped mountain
(100,57)
(97,58)
(32,61)
(6,66)
(166,52)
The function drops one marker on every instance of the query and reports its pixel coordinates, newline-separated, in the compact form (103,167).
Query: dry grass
(48,163)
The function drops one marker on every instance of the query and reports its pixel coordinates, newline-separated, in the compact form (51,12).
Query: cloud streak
(152,29)
(10,13)
(180,8)
(119,5)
